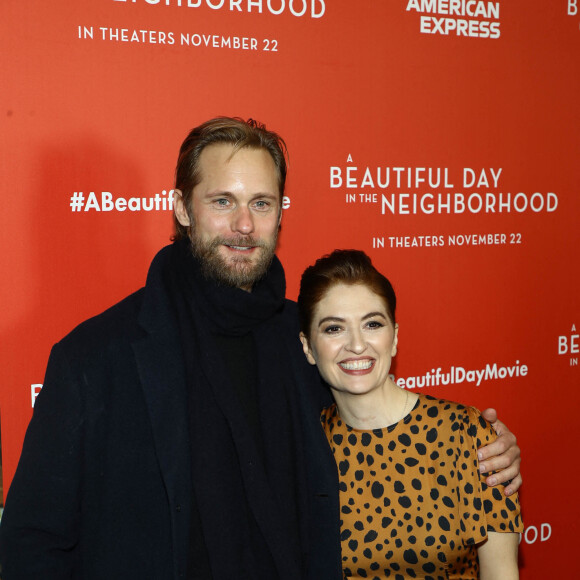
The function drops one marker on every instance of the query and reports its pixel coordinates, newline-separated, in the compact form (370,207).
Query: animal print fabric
(413,504)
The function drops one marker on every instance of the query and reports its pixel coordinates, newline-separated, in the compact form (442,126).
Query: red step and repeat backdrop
(440,136)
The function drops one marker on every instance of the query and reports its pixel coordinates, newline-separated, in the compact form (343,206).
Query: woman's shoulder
(435,407)
(445,411)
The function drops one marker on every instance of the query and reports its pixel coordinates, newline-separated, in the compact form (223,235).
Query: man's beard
(241,271)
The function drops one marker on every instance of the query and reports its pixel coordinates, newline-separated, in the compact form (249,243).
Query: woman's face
(352,339)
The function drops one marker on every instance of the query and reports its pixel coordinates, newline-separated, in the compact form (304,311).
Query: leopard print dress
(413,504)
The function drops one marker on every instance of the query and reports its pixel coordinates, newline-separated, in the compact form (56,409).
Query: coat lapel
(161,371)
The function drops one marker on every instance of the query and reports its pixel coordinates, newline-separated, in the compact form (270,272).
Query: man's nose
(243,221)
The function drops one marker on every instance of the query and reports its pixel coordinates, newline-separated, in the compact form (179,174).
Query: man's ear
(306,349)
(179,208)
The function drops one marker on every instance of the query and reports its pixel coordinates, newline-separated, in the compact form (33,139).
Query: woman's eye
(332,329)
(374,324)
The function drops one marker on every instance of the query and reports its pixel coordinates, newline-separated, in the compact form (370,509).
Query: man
(177,434)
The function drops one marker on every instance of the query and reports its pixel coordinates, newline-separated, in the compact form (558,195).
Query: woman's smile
(357,366)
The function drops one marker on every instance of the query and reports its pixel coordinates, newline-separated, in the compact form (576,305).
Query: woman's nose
(356,342)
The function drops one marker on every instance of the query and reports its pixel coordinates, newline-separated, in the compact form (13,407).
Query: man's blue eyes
(223,202)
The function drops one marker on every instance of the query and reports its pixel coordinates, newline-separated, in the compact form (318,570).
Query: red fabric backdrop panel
(441,137)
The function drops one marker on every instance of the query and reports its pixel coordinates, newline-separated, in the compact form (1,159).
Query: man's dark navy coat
(103,487)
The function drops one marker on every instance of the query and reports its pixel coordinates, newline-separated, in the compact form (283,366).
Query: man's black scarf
(246,521)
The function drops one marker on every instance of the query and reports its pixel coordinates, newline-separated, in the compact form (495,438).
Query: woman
(413,504)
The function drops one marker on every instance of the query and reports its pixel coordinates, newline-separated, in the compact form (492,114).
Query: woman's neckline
(388,428)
